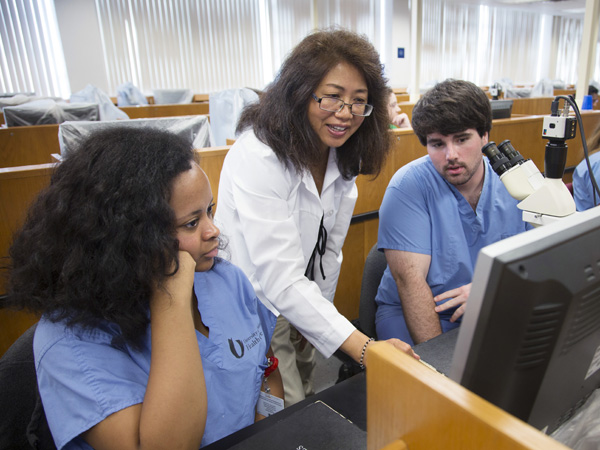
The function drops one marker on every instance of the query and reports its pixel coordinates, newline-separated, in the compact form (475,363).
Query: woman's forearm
(174,408)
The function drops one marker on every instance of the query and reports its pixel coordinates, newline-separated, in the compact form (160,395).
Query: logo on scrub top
(234,350)
(238,347)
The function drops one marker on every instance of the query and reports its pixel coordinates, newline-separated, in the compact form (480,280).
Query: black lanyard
(320,247)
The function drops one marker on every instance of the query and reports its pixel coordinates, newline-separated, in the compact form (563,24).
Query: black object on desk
(438,351)
(315,426)
(348,398)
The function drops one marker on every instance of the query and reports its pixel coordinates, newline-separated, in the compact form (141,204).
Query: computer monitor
(196,128)
(529,341)
(501,109)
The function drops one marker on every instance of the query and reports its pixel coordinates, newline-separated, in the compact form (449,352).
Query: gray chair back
(23,424)
(373,271)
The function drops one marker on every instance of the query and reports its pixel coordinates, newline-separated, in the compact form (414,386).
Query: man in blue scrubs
(437,213)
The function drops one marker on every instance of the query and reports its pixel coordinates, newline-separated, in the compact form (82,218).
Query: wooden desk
(179,109)
(521,106)
(531,105)
(149,99)
(571,91)
(211,161)
(22,146)
(20,185)
(406,107)
(416,408)
(199,98)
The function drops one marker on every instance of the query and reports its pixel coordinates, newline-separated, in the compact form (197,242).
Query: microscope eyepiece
(498,160)
(514,157)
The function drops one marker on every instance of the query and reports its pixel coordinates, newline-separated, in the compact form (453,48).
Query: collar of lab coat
(332,173)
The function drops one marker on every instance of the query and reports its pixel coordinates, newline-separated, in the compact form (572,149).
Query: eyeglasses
(334,104)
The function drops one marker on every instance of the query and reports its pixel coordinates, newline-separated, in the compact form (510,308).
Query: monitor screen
(530,337)
(501,109)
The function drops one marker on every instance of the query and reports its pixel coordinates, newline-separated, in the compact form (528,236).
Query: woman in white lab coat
(287,193)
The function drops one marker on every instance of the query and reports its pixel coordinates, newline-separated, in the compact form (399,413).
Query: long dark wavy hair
(280,118)
(99,239)
(450,107)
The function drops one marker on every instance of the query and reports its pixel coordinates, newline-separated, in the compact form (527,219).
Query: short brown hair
(450,107)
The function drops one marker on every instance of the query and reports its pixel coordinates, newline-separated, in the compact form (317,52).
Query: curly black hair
(280,119)
(99,239)
(450,107)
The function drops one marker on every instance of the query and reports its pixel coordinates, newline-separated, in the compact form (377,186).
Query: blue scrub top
(83,376)
(422,213)
(582,186)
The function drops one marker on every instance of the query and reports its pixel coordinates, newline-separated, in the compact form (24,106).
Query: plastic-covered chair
(225,108)
(92,94)
(373,271)
(130,95)
(23,422)
(543,88)
(171,96)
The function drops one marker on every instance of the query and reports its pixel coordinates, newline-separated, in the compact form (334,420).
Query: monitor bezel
(485,278)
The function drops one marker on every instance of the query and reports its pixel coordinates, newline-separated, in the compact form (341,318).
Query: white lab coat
(271,214)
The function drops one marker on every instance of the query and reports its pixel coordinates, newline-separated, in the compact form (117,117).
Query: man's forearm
(418,306)
(410,274)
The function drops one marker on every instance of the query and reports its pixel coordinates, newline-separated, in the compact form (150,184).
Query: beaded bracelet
(362,354)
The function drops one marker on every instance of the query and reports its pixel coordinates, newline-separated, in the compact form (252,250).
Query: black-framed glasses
(334,104)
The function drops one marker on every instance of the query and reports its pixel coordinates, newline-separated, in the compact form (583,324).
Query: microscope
(543,199)
(495,91)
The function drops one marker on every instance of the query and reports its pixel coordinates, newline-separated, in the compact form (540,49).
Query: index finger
(448,294)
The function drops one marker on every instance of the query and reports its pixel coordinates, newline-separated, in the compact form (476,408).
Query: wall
(397,69)
(80,35)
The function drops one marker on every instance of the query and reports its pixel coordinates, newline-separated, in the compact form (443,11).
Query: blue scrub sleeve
(111,381)
(404,222)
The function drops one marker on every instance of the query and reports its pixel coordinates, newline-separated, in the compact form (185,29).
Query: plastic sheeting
(92,94)
(19,99)
(582,431)
(225,108)
(129,95)
(543,88)
(43,112)
(13,94)
(172,96)
(195,128)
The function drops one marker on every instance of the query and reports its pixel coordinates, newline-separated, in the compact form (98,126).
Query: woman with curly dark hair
(144,336)
(287,192)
